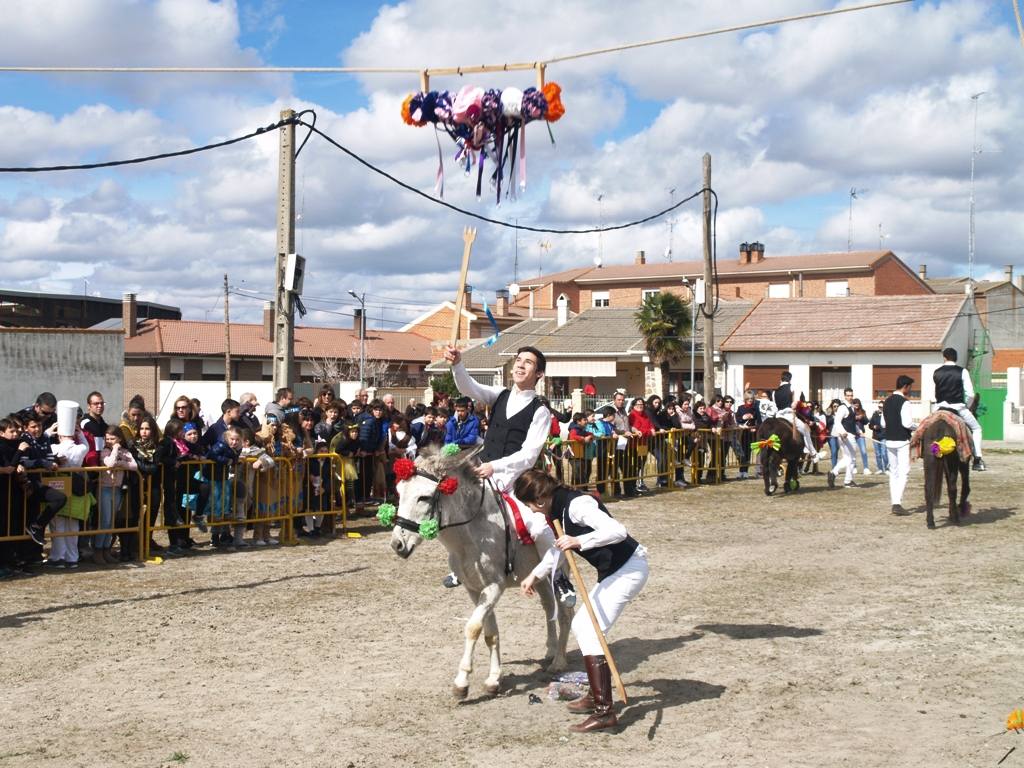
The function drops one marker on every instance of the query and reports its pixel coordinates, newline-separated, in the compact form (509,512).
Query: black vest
(783,396)
(949,384)
(850,421)
(894,429)
(506,436)
(608,559)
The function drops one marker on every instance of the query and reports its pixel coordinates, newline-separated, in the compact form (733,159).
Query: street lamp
(362,335)
(693,322)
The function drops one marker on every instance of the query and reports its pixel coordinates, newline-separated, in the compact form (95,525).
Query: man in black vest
(516,433)
(898,422)
(783,397)
(953,390)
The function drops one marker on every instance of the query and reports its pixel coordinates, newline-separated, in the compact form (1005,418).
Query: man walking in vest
(516,433)
(953,390)
(898,424)
(783,397)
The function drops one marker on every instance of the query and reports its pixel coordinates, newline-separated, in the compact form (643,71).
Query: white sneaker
(866,471)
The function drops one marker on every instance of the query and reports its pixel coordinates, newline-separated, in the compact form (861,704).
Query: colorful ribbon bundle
(485,124)
(943,447)
(772,443)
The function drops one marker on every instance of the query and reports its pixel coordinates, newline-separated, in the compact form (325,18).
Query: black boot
(600,677)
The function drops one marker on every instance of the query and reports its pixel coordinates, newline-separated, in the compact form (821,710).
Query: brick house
(751,277)
(161,356)
(858,342)
(1000,306)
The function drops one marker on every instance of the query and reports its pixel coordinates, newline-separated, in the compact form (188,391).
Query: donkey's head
(431,491)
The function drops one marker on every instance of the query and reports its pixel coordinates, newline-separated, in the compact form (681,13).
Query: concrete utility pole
(709,324)
(227,342)
(284,332)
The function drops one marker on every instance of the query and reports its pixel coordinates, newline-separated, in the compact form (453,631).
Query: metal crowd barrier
(81,487)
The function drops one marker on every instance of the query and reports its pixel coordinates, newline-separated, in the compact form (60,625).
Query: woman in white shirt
(622,571)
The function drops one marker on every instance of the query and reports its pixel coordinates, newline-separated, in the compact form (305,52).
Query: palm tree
(664,321)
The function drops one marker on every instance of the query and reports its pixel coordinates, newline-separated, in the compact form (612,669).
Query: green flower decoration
(386,514)
(451,449)
(429,529)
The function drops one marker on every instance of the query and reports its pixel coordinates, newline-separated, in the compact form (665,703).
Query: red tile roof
(850,323)
(807,263)
(193,337)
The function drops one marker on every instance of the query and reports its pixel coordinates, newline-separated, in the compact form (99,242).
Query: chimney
(359,323)
(1008,269)
(744,253)
(922,271)
(756,253)
(640,258)
(1020,282)
(129,314)
(268,321)
(501,302)
(563,309)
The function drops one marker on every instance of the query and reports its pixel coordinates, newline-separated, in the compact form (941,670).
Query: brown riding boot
(584,705)
(601,690)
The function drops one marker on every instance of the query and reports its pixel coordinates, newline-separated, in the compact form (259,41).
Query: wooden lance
(468,236)
(581,590)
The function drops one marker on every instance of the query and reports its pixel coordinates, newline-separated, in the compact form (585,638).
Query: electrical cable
(149,158)
(498,222)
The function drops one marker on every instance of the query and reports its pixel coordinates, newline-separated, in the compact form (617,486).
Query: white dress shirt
(508,468)
(583,510)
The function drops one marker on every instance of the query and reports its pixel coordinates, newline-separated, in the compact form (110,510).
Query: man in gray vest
(516,433)
(953,391)
(898,424)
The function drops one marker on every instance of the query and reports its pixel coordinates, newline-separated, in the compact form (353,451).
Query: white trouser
(609,598)
(972,423)
(801,427)
(899,469)
(847,450)
(64,548)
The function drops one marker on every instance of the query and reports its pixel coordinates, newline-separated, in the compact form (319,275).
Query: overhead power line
(462,70)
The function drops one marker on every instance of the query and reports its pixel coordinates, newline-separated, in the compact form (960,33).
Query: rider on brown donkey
(783,397)
(954,392)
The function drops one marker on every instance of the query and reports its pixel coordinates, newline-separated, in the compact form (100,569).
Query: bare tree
(331,370)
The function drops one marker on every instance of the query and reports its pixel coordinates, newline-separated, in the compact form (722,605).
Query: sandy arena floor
(809,630)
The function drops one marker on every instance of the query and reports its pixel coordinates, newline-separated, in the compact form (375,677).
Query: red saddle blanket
(964,445)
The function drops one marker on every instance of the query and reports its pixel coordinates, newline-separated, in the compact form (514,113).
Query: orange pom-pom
(406,116)
(553,95)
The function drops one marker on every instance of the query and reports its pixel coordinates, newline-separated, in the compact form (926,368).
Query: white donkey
(442,497)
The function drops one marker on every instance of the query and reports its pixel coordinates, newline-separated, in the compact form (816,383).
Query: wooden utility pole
(284,332)
(709,287)
(227,341)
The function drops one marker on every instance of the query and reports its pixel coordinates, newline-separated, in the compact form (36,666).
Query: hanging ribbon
(494,326)
(439,180)
(522,159)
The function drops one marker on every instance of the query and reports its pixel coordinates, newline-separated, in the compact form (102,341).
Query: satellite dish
(513,289)
(597,262)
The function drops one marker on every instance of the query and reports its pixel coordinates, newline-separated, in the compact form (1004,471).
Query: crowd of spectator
(235,477)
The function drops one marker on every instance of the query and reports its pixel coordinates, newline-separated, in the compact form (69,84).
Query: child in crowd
(117,459)
(70,451)
(346,445)
(224,455)
(401,445)
(463,429)
(38,454)
(602,428)
(266,491)
(254,464)
(193,484)
(582,449)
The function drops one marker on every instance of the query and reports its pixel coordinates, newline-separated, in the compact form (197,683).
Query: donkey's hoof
(492,689)
(770,490)
(931,525)
(459,692)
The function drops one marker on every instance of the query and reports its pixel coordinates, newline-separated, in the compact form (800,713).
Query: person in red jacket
(643,428)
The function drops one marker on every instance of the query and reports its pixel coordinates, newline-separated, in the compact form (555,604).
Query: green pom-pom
(556,441)
(386,514)
(429,529)
(451,449)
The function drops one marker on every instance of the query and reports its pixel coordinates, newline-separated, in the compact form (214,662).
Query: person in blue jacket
(463,428)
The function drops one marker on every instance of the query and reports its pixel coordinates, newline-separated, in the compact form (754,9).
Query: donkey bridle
(435,507)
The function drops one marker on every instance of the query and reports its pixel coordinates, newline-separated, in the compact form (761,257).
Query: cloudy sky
(794,116)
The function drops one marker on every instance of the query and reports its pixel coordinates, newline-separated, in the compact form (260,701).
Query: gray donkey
(483,551)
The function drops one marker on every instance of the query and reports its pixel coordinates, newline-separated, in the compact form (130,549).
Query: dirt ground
(814,629)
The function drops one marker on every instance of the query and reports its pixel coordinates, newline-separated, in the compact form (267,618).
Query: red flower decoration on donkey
(448,485)
(404,469)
